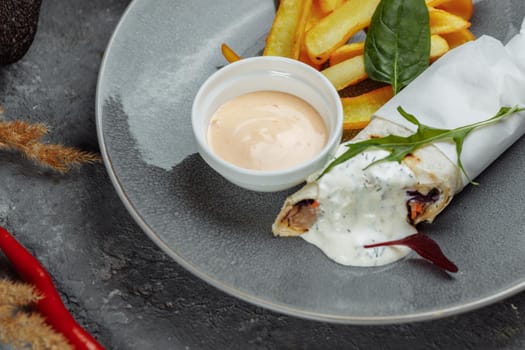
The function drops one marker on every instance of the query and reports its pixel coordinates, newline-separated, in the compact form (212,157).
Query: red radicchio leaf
(425,247)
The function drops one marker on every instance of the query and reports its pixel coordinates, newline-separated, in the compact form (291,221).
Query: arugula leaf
(400,146)
(397,45)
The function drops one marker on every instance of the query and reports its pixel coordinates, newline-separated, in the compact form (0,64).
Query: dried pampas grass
(22,329)
(26,138)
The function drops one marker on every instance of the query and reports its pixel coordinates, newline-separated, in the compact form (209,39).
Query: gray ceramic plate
(159,55)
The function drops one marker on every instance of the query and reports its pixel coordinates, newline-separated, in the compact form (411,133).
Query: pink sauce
(266,130)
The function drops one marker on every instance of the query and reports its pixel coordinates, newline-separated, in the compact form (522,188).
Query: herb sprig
(400,146)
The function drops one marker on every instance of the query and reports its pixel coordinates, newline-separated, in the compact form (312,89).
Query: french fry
(230,55)
(461,8)
(359,109)
(434,3)
(346,73)
(315,15)
(286,34)
(438,47)
(443,22)
(335,29)
(328,6)
(303,57)
(458,38)
(346,52)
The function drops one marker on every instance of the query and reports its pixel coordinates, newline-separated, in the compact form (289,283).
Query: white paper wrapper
(468,85)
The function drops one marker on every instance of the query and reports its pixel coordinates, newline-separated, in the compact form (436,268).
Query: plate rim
(454,309)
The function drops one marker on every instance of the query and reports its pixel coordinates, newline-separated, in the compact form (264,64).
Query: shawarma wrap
(437,180)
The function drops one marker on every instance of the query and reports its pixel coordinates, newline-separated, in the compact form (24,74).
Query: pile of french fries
(322,33)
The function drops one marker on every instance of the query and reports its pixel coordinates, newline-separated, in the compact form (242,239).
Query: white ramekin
(267,73)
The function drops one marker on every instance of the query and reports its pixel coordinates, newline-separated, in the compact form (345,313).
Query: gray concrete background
(115,281)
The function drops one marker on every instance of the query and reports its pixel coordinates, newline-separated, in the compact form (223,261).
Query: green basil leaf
(397,46)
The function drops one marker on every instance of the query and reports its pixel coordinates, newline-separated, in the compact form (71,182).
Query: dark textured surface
(117,283)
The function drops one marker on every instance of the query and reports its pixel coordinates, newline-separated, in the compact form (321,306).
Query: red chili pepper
(50,305)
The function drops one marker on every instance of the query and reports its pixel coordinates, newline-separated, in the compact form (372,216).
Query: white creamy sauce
(360,206)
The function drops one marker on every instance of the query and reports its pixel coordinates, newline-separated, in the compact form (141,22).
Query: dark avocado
(18,23)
